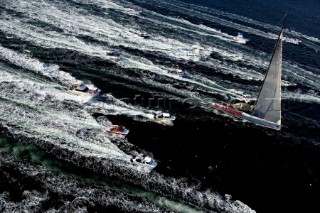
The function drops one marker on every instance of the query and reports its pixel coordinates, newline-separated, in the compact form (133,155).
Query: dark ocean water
(303,15)
(267,170)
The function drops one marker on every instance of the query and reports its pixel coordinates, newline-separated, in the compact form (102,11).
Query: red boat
(119,130)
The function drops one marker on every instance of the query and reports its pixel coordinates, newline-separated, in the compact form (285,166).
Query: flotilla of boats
(143,162)
(246,107)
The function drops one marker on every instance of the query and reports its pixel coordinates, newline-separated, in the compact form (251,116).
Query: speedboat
(239,39)
(198,53)
(118,130)
(164,116)
(114,53)
(83,89)
(143,162)
(145,35)
(177,72)
(137,11)
(287,83)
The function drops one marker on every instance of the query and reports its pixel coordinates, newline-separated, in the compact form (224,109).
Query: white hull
(165,119)
(260,121)
(247,117)
(83,93)
(144,167)
(241,41)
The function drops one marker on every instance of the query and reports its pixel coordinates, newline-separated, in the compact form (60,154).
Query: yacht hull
(245,116)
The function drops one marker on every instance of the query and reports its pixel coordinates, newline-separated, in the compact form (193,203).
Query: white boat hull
(84,93)
(165,119)
(144,167)
(242,115)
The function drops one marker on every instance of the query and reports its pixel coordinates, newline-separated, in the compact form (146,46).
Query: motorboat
(197,53)
(137,11)
(287,83)
(240,39)
(145,35)
(144,163)
(118,130)
(114,53)
(177,72)
(83,89)
(164,116)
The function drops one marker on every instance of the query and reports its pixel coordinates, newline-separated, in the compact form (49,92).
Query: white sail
(267,109)
(268,104)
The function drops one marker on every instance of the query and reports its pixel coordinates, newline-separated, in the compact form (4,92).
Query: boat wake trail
(185,54)
(49,116)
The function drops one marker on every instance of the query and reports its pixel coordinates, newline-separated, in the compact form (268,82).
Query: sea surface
(55,154)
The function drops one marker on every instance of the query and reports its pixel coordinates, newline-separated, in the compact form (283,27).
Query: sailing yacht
(266,111)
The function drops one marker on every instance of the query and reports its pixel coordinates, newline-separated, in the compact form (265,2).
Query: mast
(268,103)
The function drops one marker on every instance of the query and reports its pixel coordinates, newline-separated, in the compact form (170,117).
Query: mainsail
(268,104)
(267,109)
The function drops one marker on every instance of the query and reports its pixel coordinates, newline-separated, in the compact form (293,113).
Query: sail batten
(268,104)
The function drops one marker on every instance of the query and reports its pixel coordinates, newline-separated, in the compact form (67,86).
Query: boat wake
(185,54)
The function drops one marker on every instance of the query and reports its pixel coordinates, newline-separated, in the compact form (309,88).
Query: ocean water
(206,160)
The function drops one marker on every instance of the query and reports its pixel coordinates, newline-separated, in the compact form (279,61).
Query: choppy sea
(56,155)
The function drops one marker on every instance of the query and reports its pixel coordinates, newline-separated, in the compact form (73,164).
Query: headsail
(268,104)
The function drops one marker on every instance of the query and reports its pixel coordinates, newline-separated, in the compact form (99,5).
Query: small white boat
(287,83)
(164,116)
(177,72)
(83,89)
(240,39)
(144,163)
